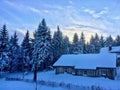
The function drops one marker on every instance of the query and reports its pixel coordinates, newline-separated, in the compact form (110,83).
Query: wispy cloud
(70,2)
(95,14)
(117,18)
(34,9)
(22,7)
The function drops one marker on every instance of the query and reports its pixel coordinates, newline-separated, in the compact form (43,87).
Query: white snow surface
(87,61)
(105,83)
(79,80)
(20,85)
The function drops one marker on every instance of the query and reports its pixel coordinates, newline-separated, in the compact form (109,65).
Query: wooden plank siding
(118,62)
(63,69)
(107,72)
(86,72)
(99,72)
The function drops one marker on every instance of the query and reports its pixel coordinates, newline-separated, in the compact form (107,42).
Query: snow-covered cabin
(95,65)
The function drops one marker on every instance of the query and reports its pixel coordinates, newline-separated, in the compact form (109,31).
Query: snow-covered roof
(113,49)
(118,56)
(87,61)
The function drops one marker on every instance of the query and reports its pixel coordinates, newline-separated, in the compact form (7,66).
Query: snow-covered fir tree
(101,42)
(91,45)
(57,42)
(4,49)
(109,41)
(75,46)
(117,41)
(42,53)
(66,45)
(82,43)
(14,53)
(26,50)
(96,43)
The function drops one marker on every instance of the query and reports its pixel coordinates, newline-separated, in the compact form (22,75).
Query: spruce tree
(117,41)
(75,45)
(42,53)
(57,42)
(14,53)
(82,43)
(26,50)
(109,41)
(4,49)
(92,45)
(66,45)
(96,43)
(102,42)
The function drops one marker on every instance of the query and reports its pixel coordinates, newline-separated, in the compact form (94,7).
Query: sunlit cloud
(117,18)
(95,14)
(34,9)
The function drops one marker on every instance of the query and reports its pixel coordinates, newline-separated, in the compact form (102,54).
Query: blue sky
(88,16)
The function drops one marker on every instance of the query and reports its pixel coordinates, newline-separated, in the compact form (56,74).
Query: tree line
(43,50)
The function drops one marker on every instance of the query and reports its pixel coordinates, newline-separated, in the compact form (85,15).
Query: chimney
(110,48)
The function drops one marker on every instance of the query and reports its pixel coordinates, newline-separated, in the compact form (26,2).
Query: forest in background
(43,50)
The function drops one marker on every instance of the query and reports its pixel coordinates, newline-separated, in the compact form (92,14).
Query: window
(103,71)
(85,72)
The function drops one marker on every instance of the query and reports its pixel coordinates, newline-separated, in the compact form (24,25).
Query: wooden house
(94,65)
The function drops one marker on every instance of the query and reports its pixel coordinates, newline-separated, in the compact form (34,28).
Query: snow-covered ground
(50,76)
(20,85)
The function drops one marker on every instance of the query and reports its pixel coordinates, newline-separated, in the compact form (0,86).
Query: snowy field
(50,76)
(19,85)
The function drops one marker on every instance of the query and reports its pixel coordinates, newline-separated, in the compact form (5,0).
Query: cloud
(117,18)
(95,14)
(33,9)
(22,7)
(87,30)
(70,2)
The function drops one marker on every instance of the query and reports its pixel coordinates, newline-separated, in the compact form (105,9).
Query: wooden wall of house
(107,72)
(118,62)
(78,72)
(85,72)
(59,70)
(63,69)
(69,70)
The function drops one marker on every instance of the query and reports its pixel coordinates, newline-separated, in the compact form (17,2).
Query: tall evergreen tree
(4,48)
(26,52)
(75,45)
(57,42)
(109,41)
(42,53)
(92,45)
(82,43)
(117,41)
(66,45)
(14,53)
(96,43)
(102,42)
(4,39)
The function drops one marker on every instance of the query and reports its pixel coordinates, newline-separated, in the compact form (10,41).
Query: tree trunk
(35,73)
